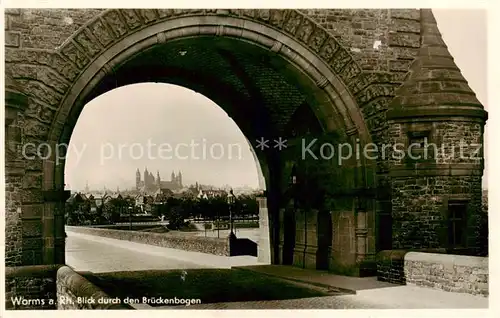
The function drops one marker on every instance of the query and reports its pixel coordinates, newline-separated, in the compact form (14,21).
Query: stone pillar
(54,238)
(273,197)
(304,252)
(299,249)
(282,246)
(311,236)
(264,249)
(361,232)
(15,104)
(324,241)
(343,253)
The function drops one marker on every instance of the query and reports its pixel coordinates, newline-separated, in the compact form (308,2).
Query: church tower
(146,176)
(151,182)
(179,181)
(158,180)
(137,179)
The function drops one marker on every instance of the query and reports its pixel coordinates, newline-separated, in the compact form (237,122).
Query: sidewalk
(368,290)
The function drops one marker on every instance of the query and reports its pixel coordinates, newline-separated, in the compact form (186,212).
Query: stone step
(301,281)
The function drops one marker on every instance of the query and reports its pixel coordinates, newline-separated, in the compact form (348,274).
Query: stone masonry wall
(420,207)
(30,287)
(397,29)
(454,273)
(14,171)
(449,142)
(384,43)
(419,201)
(44,28)
(13,224)
(360,30)
(207,245)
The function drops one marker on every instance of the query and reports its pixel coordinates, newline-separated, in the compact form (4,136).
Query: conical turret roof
(434,85)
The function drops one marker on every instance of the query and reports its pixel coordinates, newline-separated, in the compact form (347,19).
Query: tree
(112,208)
(175,214)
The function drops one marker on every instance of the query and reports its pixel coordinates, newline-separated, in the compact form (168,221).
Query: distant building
(149,184)
(208,194)
(144,203)
(76,198)
(161,195)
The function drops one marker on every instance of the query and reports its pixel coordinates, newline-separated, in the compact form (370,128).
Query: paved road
(85,253)
(98,254)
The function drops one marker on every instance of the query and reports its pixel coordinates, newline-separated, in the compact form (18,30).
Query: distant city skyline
(173,115)
(151,112)
(101,187)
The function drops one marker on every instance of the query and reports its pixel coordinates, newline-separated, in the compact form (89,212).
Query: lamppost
(230,202)
(130,216)
(218,224)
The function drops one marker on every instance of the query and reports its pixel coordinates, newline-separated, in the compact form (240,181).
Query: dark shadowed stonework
(36,285)
(377,76)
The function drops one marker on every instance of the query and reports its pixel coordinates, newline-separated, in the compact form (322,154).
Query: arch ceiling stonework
(47,75)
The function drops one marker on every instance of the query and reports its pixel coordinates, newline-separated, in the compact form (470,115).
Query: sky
(173,125)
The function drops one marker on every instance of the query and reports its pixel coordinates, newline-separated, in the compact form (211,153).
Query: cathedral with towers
(150,184)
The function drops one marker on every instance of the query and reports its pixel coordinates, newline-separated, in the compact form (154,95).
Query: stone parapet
(390,266)
(76,292)
(207,245)
(454,273)
(434,268)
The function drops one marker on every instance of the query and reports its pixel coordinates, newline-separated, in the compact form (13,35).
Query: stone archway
(346,95)
(296,47)
(321,84)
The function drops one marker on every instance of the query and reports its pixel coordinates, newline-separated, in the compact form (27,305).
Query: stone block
(29,196)
(404,40)
(32,181)
(32,228)
(404,25)
(32,257)
(399,65)
(32,211)
(12,39)
(409,14)
(32,243)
